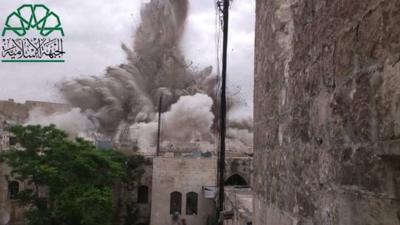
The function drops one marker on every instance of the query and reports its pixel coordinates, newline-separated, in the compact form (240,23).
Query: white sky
(94,31)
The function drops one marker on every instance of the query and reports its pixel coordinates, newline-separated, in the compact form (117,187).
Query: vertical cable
(159,126)
(223,107)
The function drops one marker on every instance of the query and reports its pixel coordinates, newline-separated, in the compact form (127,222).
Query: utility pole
(159,126)
(225,12)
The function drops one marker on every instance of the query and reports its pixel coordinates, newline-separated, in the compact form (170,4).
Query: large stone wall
(327,112)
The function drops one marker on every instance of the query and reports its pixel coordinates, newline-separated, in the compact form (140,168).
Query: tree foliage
(70,181)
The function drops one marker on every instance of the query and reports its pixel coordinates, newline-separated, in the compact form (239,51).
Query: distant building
(17,113)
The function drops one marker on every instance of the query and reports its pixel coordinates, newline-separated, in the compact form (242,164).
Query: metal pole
(223,107)
(159,126)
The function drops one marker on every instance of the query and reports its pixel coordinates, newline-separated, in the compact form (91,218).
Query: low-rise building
(178,196)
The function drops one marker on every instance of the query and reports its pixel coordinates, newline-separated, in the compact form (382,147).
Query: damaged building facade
(327,94)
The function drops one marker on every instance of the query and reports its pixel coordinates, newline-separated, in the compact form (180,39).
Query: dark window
(191,203)
(235,180)
(13,189)
(176,203)
(143,195)
(12,141)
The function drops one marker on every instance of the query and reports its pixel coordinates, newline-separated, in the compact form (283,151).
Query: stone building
(238,170)
(327,112)
(143,194)
(238,201)
(15,112)
(138,195)
(10,211)
(178,196)
(12,113)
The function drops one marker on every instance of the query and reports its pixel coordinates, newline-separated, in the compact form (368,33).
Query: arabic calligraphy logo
(33,16)
(32,49)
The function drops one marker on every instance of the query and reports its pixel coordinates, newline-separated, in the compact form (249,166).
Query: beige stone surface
(183,175)
(327,103)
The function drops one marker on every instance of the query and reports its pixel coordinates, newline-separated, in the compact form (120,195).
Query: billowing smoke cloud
(240,135)
(239,140)
(189,120)
(124,102)
(73,122)
(145,135)
(127,94)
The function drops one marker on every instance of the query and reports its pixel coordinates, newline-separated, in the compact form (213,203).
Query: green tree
(71,181)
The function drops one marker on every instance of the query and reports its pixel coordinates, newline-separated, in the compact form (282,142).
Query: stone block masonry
(183,176)
(327,112)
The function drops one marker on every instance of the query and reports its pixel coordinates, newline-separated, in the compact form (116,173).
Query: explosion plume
(123,102)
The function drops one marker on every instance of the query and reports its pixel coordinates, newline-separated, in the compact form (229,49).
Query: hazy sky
(94,31)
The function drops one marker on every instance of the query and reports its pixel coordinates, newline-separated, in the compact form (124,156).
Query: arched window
(236,180)
(176,203)
(143,194)
(13,189)
(191,203)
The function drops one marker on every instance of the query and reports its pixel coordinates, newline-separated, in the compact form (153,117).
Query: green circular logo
(37,17)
